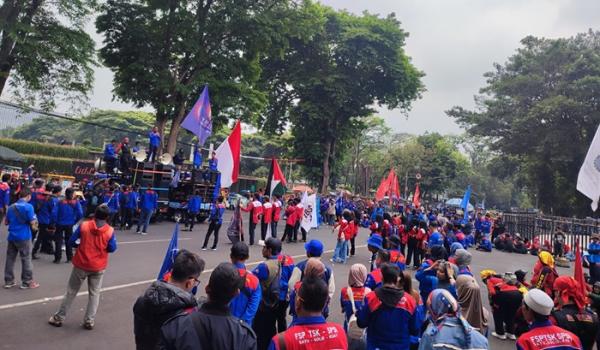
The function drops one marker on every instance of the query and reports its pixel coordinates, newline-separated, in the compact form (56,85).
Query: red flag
(417,197)
(578,275)
(395,187)
(382,189)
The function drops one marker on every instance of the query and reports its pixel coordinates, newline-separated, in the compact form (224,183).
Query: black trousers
(43,240)
(303,231)
(213,227)
(190,218)
(251,231)
(281,313)
(274,229)
(296,228)
(264,325)
(288,233)
(63,234)
(263,230)
(352,246)
(412,254)
(503,321)
(152,153)
(126,217)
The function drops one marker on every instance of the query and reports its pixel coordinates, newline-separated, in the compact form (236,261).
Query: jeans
(145,217)
(212,228)
(341,248)
(63,234)
(75,280)
(152,152)
(23,249)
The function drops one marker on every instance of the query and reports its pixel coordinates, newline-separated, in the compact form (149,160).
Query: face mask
(194,290)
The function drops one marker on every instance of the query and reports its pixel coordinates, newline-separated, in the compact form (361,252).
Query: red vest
(548,337)
(276,211)
(267,212)
(92,254)
(319,336)
(290,212)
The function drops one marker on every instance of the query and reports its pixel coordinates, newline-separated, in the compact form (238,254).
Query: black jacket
(583,323)
(211,327)
(160,302)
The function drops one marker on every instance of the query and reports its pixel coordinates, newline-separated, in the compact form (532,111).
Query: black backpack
(270,287)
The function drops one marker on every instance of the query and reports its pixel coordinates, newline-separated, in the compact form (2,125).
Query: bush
(45,149)
(45,164)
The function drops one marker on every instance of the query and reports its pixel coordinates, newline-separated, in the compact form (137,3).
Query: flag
(199,119)
(276,182)
(588,181)
(465,204)
(167,265)
(228,156)
(309,220)
(417,197)
(578,274)
(382,189)
(394,186)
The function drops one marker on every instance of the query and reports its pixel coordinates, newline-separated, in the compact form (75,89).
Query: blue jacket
(149,200)
(67,212)
(154,139)
(109,151)
(436,238)
(287,266)
(359,295)
(212,164)
(197,156)
(452,333)
(245,304)
(428,280)
(485,226)
(112,200)
(194,203)
(486,245)
(4,194)
(44,215)
(132,200)
(216,213)
(594,252)
(389,314)
(18,223)
(37,198)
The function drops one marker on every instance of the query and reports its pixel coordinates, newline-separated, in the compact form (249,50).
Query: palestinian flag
(276,181)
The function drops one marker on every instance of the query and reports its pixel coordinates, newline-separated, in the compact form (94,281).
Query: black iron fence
(530,225)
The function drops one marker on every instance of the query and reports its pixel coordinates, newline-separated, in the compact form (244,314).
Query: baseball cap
(539,302)
(314,247)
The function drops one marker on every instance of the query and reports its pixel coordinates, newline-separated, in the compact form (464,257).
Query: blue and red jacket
(359,294)
(287,266)
(111,199)
(149,200)
(546,336)
(4,195)
(44,215)
(374,279)
(389,316)
(67,212)
(396,257)
(311,333)
(428,280)
(38,196)
(216,213)
(436,238)
(132,202)
(245,304)
(194,204)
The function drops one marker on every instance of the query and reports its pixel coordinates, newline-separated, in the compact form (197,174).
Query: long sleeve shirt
(245,304)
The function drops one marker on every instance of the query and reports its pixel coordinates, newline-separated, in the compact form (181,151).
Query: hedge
(44,164)
(46,149)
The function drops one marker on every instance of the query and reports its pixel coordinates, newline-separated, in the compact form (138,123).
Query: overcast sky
(454,42)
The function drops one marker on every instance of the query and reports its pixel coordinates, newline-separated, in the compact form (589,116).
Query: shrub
(45,149)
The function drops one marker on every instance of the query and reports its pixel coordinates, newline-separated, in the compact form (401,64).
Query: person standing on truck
(148,205)
(193,208)
(154,143)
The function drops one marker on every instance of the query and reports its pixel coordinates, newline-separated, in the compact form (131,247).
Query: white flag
(309,219)
(588,181)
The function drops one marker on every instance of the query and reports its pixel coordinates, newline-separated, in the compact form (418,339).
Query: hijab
(568,290)
(546,258)
(454,247)
(471,306)
(357,276)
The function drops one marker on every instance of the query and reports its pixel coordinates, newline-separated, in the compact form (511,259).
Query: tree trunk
(326,171)
(175,127)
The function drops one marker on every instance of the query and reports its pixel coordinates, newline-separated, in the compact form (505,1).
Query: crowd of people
(250,309)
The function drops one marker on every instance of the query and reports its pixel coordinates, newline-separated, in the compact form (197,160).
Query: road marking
(121,286)
(152,241)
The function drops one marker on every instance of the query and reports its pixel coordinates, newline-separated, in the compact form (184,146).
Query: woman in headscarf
(453,248)
(407,286)
(463,260)
(355,289)
(447,330)
(471,305)
(544,273)
(314,268)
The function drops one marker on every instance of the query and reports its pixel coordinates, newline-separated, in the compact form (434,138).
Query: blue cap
(375,241)
(314,247)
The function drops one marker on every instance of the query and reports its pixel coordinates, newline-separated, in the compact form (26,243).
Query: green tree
(44,49)
(164,52)
(540,110)
(325,82)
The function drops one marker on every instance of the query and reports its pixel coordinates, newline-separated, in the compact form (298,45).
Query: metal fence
(530,225)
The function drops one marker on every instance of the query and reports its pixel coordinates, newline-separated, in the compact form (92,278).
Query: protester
(593,257)
(276,214)
(571,312)
(396,256)
(427,272)
(47,223)
(447,330)
(245,304)
(267,217)
(4,195)
(66,213)
(310,331)
(314,249)
(165,299)
(21,220)
(462,260)
(193,209)
(96,240)
(255,208)
(544,273)
(110,156)
(356,291)
(212,326)
(375,278)
(505,301)
(537,307)
(344,233)
(314,268)
(216,220)
(148,205)
(154,140)
(471,305)
(446,277)
(299,216)
(389,313)
(290,222)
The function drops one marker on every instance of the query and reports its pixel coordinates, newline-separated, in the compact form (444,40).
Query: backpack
(354,331)
(270,287)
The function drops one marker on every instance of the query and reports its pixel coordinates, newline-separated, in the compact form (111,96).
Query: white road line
(151,241)
(121,286)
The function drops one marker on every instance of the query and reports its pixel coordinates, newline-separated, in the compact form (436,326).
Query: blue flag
(199,119)
(167,265)
(465,204)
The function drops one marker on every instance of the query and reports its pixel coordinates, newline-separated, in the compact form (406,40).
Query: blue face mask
(194,290)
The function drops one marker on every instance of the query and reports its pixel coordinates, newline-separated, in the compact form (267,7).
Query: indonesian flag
(276,183)
(417,197)
(228,156)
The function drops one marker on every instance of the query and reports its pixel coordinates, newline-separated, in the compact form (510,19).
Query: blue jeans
(145,217)
(339,255)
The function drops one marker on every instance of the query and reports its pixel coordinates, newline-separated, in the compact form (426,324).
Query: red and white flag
(228,156)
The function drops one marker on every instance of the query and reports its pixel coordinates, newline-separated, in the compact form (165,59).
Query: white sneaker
(214,249)
(143,233)
(511,336)
(203,248)
(499,336)
(139,232)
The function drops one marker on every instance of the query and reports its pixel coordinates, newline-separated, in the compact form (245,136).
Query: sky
(453,41)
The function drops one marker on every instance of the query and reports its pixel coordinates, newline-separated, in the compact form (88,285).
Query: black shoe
(34,256)
(56,261)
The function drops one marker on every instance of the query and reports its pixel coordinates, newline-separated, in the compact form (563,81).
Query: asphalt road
(24,313)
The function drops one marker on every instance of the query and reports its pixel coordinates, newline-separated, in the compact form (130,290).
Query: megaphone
(98,164)
(165,159)
(140,155)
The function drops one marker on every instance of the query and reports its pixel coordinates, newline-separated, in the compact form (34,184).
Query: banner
(82,170)
(309,220)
